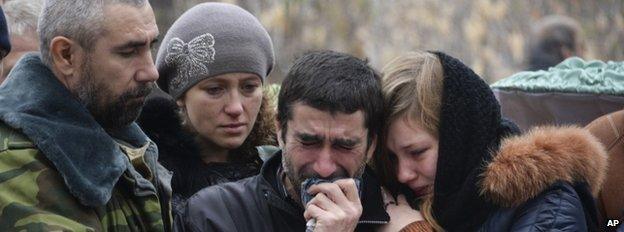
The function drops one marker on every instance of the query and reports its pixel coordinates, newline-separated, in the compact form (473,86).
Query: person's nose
(405,173)
(324,165)
(148,72)
(234,106)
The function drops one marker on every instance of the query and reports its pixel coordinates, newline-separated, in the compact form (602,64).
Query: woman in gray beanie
(213,61)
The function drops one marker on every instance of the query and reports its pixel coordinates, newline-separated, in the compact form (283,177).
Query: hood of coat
(470,126)
(525,165)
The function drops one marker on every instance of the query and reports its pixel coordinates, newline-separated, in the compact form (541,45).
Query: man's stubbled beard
(297,178)
(108,112)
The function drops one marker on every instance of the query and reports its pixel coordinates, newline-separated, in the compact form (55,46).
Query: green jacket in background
(60,171)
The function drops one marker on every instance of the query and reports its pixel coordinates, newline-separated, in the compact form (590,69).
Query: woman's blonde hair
(412,89)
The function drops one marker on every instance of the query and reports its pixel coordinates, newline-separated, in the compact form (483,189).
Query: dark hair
(550,36)
(334,82)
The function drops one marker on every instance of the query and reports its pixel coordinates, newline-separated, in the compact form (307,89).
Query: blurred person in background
(22,17)
(213,62)
(554,39)
(453,156)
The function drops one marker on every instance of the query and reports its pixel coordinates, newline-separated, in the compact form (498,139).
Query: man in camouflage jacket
(71,156)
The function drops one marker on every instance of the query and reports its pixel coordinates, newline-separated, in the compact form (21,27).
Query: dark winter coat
(61,171)
(259,204)
(179,152)
(544,181)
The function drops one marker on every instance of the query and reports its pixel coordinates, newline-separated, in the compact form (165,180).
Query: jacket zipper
(373,222)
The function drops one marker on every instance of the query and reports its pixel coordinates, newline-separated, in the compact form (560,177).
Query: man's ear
(278,130)
(371,149)
(67,56)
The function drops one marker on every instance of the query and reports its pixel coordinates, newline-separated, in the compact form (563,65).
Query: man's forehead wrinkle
(348,140)
(150,30)
(330,126)
(339,133)
(324,126)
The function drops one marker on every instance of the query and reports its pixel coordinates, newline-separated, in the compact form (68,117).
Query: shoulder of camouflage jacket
(33,196)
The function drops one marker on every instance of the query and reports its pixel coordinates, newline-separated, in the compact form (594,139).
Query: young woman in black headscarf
(465,168)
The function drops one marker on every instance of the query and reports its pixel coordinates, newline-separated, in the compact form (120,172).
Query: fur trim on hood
(526,165)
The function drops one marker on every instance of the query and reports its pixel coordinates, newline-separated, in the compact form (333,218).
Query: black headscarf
(471,128)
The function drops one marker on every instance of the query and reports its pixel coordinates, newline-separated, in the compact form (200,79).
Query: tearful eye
(308,142)
(417,152)
(343,147)
(304,143)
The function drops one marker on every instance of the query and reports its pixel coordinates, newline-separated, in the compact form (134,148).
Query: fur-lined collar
(526,165)
(33,101)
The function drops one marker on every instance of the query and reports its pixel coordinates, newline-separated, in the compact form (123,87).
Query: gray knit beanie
(211,39)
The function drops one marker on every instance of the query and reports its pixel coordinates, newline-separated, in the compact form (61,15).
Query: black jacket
(258,204)
(559,208)
(544,181)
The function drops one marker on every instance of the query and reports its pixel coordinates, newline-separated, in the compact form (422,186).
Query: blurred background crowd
(494,37)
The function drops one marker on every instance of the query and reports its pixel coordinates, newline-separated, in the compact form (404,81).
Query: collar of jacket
(33,101)
(373,211)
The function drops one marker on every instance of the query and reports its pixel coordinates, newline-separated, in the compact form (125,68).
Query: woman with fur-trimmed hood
(213,62)
(453,157)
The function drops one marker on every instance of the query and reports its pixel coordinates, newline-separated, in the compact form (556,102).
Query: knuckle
(341,215)
(348,182)
(320,197)
(355,210)
(334,187)
(321,187)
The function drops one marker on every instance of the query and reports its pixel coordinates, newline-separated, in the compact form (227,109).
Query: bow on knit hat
(211,39)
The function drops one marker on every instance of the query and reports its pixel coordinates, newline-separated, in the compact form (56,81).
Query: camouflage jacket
(60,171)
